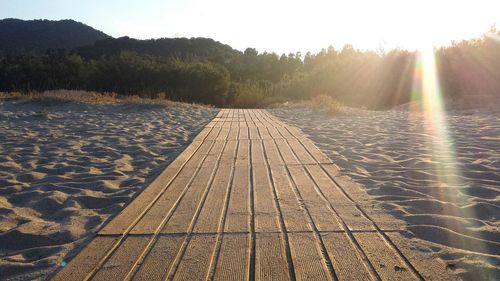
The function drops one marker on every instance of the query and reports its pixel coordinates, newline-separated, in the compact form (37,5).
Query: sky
(276,25)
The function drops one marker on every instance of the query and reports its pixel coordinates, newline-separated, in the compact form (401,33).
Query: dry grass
(94,98)
(325,104)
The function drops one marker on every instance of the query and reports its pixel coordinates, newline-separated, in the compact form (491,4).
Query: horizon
(380,26)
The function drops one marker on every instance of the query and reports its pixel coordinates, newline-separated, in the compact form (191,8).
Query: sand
(443,181)
(66,168)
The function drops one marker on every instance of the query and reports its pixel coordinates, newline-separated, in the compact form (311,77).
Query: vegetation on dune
(205,71)
(48,98)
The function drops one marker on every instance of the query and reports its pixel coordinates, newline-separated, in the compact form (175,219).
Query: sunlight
(440,145)
(435,122)
(493,36)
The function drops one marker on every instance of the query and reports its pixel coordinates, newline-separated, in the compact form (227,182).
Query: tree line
(204,71)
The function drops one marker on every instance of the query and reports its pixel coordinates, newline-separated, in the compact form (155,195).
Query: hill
(182,48)
(36,36)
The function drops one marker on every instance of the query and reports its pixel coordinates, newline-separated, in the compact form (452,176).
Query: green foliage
(205,71)
(249,95)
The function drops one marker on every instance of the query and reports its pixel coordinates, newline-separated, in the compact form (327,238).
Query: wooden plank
(319,156)
(300,152)
(307,259)
(346,259)
(210,215)
(285,133)
(385,261)
(224,132)
(294,215)
(275,134)
(214,133)
(286,152)
(196,261)
(183,215)
(243,133)
(257,153)
(327,186)
(202,134)
(344,207)
(234,258)
(264,134)
(253,133)
(213,155)
(238,213)
(266,215)
(233,132)
(270,258)
(157,213)
(272,154)
(123,259)
(323,217)
(200,155)
(229,154)
(86,260)
(243,154)
(159,260)
(352,189)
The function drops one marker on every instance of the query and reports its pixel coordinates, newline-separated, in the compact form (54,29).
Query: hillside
(20,36)
(183,48)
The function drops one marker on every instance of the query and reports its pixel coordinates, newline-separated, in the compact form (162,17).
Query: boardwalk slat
(266,215)
(159,260)
(323,217)
(293,213)
(195,263)
(270,260)
(123,259)
(346,260)
(238,213)
(234,258)
(185,211)
(272,153)
(210,215)
(286,153)
(86,260)
(307,260)
(345,208)
(384,259)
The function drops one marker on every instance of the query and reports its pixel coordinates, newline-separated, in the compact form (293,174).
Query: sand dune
(445,185)
(66,168)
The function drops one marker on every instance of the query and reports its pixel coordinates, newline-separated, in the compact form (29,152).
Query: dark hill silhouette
(182,48)
(36,36)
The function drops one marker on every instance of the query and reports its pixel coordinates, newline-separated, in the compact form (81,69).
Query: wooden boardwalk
(251,199)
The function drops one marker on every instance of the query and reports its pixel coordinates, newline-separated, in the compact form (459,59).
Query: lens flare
(450,188)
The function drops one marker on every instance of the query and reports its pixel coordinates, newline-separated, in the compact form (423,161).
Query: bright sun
(289,26)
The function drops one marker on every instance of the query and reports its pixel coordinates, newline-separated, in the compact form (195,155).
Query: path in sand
(252,198)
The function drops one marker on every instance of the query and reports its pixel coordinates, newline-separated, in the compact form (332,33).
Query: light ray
(430,105)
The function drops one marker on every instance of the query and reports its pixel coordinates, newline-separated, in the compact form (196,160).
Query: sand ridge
(65,168)
(448,196)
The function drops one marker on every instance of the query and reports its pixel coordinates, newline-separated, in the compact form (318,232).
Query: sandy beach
(66,168)
(445,187)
